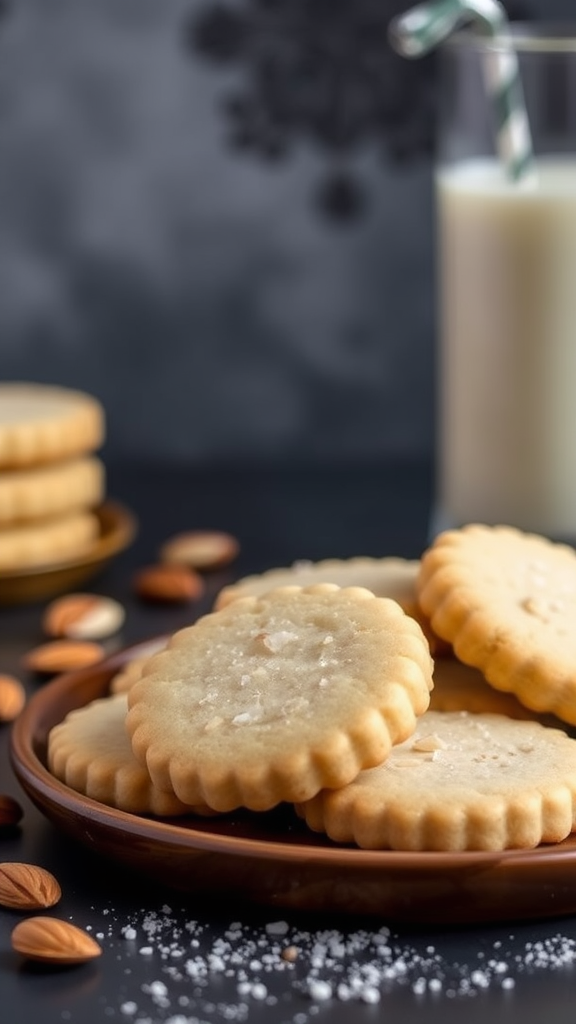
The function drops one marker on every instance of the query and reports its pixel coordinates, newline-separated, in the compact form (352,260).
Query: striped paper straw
(422,28)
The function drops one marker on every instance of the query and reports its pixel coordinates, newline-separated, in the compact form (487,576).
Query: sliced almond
(10,811)
(12,698)
(27,887)
(201,549)
(50,940)
(170,583)
(83,617)
(63,656)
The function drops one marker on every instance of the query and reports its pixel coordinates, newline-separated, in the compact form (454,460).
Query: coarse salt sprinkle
(188,960)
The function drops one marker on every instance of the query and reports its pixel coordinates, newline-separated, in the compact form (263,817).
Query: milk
(507,387)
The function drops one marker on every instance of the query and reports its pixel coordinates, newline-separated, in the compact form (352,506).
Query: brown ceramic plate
(272,859)
(117,530)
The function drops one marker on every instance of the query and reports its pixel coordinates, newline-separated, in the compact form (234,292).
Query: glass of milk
(506,274)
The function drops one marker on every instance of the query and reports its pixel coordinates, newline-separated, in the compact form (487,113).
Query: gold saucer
(118,528)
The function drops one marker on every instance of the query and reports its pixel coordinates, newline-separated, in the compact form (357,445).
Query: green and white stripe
(422,28)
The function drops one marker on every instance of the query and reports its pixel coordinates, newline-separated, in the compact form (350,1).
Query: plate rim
(107,544)
(36,779)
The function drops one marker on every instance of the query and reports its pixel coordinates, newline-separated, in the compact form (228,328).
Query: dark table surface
(166,955)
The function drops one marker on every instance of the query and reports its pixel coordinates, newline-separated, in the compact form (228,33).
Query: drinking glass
(506,286)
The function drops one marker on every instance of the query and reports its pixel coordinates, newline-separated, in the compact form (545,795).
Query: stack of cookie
(315,686)
(51,479)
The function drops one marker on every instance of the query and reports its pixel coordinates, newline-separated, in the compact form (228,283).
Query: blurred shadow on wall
(319,72)
(158,243)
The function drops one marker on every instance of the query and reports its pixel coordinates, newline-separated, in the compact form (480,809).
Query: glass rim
(524,37)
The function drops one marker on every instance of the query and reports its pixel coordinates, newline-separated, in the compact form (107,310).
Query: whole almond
(50,940)
(62,656)
(12,698)
(10,811)
(201,549)
(169,583)
(83,617)
(27,887)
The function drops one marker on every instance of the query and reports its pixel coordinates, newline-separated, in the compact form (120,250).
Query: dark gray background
(217,217)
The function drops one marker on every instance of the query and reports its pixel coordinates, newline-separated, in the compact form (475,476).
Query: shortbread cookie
(459,687)
(27,495)
(506,601)
(463,781)
(44,423)
(272,698)
(132,669)
(130,673)
(48,541)
(386,577)
(91,753)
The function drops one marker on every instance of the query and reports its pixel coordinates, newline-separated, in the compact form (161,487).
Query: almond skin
(176,584)
(27,887)
(201,549)
(12,698)
(10,811)
(83,617)
(50,940)
(62,656)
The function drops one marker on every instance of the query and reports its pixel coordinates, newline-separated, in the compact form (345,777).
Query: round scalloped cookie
(129,674)
(90,752)
(463,781)
(50,490)
(385,577)
(506,601)
(131,670)
(45,542)
(44,423)
(272,698)
(459,687)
